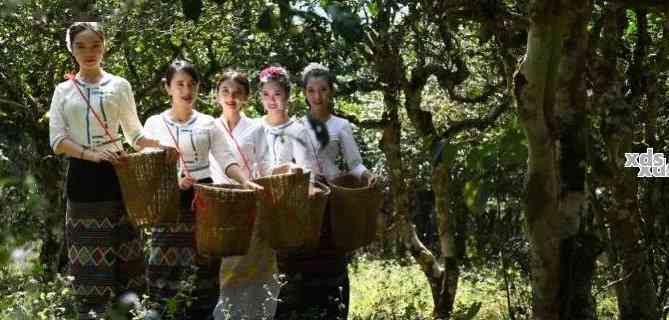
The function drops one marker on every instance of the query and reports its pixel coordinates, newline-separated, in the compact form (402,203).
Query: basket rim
(338,187)
(281,175)
(154,152)
(146,152)
(327,190)
(228,187)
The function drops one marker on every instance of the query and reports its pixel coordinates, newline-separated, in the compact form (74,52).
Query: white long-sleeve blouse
(249,135)
(197,138)
(113,102)
(289,143)
(341,145)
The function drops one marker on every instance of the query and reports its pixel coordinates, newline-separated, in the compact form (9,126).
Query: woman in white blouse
(172,253)
(323,284)
(84,119)
(318,85)
(246,135)
(287,139)
(248,286)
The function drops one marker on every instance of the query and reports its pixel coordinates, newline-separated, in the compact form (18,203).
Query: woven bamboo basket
(149,185)
(224,219)
(284,210)
(317,207)
(353,211)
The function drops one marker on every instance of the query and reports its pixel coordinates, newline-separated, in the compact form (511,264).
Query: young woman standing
(287,138)
(172,256)
(104,250)
(249,288)
(320,283)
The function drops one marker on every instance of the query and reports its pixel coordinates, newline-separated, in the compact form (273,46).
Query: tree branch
(479,123)
(367,124)
(13,103)
(448,80)
(413,92)
(357,85)
(488,91)
(427,261)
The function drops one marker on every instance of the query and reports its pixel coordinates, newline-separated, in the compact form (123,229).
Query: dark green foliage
(192,9)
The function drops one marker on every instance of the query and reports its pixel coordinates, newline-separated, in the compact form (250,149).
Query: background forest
(499,127)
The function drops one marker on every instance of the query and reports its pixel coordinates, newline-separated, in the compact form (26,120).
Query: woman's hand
(248,184)
(91,155)
(145,142)
(287,168)
(281,169)
(186,183)
(105,155)
(314,192)
(369,178)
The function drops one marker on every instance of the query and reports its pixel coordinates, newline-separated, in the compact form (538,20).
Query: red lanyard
(246,163)
(88,104)
(198,201)
(176,145)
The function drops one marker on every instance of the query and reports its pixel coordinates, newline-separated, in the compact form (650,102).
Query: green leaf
(171,306)
(470,193)
(373,8)
(345,23)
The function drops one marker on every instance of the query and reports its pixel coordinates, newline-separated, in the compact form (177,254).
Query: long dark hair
(181,66)
(235,76)
(79,27)
(317,70)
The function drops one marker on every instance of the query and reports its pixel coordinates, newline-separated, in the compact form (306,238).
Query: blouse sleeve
(262,159)
(350,151)
(58,128)
(303,153)
(221,149)
(132,128)
(150,129)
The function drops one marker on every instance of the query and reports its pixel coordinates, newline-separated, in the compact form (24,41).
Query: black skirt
(88,181)
(326,259)
(105,254)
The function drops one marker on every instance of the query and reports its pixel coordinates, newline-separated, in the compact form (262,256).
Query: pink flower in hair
(272,73)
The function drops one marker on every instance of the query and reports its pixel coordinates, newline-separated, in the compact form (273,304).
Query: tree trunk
(534,90)
(579,246)
(446,224)
(389,66)
(635,289)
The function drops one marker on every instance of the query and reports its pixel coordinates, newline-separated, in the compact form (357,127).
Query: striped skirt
(316,283)
(177,275)
(104,250)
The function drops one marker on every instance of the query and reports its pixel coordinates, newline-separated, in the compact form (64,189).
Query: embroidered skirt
(177,275)
(104,250)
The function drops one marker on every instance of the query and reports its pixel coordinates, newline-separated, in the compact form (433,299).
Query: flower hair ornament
(271,73)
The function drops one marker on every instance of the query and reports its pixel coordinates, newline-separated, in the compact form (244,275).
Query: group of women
(106,253)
